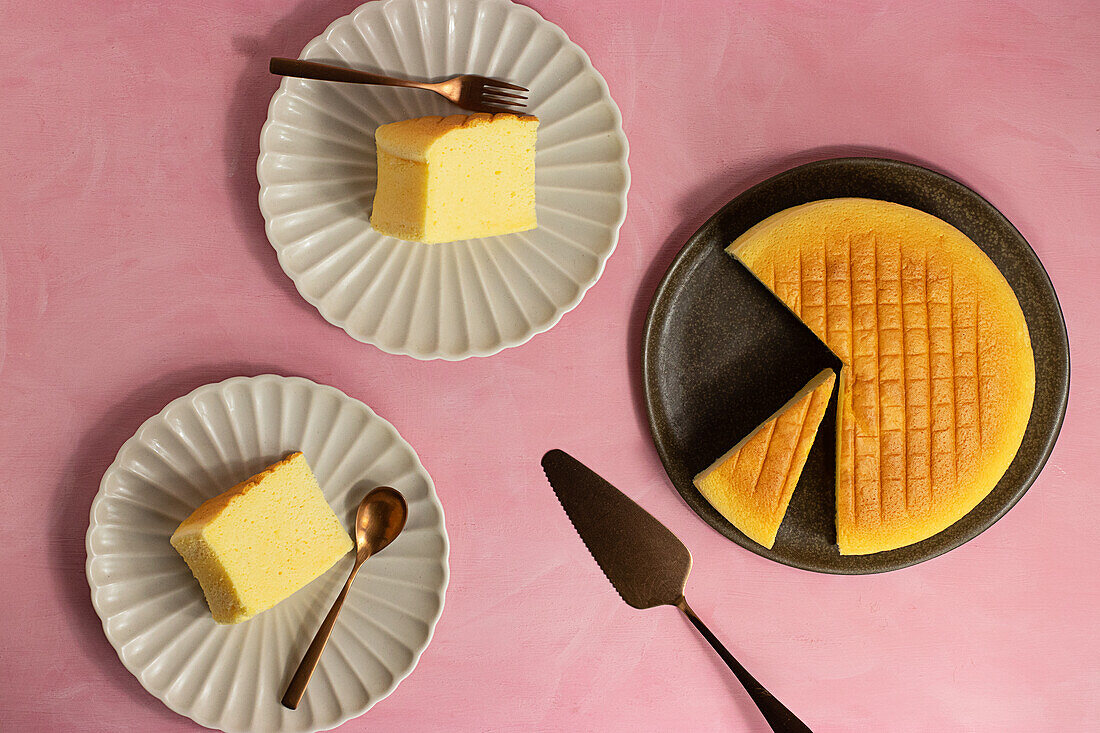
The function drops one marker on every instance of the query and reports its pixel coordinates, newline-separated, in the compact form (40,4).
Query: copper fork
(469,91)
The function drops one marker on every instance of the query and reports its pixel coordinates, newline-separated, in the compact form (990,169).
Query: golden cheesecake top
(938,376)
(752,484)
(414,139)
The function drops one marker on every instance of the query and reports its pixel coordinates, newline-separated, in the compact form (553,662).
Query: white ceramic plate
(153,611)
(461,299)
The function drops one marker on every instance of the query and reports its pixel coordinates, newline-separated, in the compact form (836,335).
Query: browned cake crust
(939,374)
(752,484)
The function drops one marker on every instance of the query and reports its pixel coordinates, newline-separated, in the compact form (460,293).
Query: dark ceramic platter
(721,354)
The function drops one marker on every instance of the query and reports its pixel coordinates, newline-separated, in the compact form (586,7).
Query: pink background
(134,268)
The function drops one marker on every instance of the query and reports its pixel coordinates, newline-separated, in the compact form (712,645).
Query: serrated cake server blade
(645,562)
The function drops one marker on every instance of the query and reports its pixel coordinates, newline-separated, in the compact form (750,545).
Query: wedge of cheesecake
(752,484)
(442,179)
(938,377)
(257,543)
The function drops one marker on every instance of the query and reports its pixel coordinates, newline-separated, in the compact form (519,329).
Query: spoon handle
(778,716)
(297,686)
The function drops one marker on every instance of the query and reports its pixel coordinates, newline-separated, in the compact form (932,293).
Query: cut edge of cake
(763,530)
(197,535)
(965,495)
(414,201)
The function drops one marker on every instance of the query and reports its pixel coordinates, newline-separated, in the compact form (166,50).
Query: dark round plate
(720,354)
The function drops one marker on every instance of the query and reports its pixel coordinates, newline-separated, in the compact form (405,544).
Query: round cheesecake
(939,375)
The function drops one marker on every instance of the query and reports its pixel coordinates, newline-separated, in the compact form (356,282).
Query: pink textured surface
(134,267)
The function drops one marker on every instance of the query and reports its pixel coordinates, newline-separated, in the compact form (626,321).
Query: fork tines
(499,96)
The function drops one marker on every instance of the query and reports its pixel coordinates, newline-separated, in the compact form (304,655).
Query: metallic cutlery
(469,91)
(380,518)
(644,561)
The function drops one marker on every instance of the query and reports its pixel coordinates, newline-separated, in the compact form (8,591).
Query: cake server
(644,561)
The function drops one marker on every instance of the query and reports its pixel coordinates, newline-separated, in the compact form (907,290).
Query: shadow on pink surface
(246,116)
(94,453)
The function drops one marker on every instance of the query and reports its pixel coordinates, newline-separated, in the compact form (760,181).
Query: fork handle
(778,716)
(327,72)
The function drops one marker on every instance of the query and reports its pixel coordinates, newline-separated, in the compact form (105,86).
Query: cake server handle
(297,686)
(776,713)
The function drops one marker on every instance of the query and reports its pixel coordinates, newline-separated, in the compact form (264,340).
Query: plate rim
(696,240)
(623,163)
(219,386)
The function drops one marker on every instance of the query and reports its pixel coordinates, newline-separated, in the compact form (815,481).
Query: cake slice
(261,540)
(751,485)
(441,179)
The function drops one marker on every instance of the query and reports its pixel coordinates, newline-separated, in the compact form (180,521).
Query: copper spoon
(380,518)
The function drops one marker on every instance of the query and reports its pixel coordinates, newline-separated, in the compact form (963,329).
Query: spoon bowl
(380,518)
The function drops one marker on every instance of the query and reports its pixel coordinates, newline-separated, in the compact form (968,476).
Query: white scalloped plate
(153,611)
(460,299)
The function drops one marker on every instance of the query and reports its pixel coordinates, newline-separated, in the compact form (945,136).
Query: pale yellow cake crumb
(752,484)
(262,540)
(442,179)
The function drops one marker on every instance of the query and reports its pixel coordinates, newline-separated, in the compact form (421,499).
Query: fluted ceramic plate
(459,299)
(153,611)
